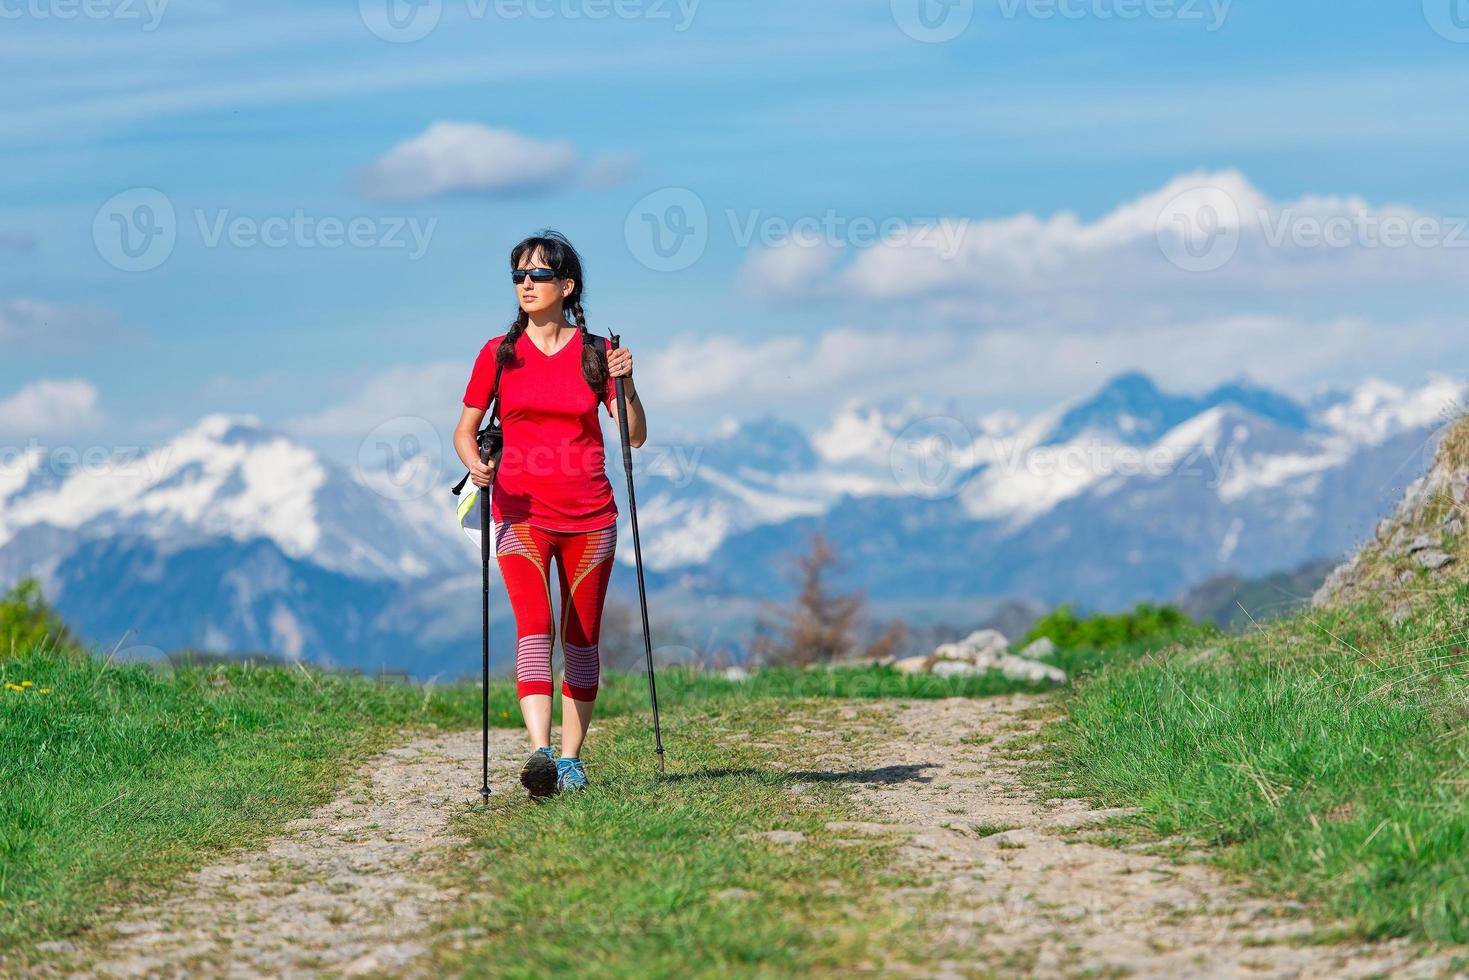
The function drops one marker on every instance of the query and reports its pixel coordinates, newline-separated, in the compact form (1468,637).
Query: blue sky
(763,112)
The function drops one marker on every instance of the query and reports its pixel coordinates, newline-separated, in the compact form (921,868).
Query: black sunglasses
(536,275)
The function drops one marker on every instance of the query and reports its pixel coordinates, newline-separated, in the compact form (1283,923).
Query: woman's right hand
(481,474)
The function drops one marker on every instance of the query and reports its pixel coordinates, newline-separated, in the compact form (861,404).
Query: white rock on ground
(1013,667)
(974,647)
(1039,649)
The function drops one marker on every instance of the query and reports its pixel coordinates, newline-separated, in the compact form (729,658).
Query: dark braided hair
(558,254)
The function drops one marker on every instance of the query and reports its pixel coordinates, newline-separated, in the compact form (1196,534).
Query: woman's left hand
(619,363)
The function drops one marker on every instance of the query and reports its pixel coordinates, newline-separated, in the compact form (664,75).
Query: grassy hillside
(1325,755)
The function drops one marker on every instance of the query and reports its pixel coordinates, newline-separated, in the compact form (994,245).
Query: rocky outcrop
(984,651)
(1423,536)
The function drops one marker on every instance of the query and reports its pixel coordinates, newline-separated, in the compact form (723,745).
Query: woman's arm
(619,364)
(480,474)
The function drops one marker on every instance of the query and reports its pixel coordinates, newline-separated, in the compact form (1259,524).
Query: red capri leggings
(583,567)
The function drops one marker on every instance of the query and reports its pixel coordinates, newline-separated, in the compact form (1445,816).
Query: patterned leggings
(523,553)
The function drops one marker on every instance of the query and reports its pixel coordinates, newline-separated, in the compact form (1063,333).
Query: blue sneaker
(570,774)
(539,774)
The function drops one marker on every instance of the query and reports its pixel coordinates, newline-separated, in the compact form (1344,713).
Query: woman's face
(541,297)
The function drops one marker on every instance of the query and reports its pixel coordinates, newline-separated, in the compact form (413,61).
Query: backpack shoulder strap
(494,409)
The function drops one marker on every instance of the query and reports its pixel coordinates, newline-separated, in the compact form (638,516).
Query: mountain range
(236,537)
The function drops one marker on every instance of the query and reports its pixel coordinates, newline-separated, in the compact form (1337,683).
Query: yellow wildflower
(13,687)
(45,690)
(27,683)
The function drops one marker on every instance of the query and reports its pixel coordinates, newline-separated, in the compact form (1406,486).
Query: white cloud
(471,158)
(1203,229)
(50,407)
(1013,365)
(788,268)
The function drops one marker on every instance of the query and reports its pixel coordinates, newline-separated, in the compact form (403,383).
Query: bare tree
(819,626)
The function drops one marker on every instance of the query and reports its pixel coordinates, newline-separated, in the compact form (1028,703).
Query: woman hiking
(551,497)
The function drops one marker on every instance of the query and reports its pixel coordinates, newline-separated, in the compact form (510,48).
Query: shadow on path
(883,774)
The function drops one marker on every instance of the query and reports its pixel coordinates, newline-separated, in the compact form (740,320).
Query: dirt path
(344,891)
(1037,899)
(350,889)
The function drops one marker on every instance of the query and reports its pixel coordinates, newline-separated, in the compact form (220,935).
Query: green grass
(122,777)
(645,878)
(1326,756)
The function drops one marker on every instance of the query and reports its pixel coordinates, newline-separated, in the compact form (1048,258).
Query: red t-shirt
(553,470)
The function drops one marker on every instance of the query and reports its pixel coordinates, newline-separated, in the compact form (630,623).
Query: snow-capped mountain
(1239,447)
(233,536)
(228,476)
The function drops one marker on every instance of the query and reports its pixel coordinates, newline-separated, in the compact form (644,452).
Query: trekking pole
(637,548)
(484,555)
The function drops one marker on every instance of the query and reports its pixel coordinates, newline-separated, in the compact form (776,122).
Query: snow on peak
(1375,409)
(204,479)
(857,432)
(218,423)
